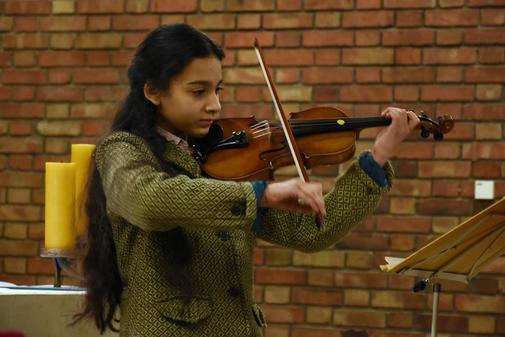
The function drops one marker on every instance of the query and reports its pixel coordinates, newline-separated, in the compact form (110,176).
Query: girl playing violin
(173,249)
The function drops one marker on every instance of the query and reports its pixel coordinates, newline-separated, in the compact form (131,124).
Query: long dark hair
(163,54)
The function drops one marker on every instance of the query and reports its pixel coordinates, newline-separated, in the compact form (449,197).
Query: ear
(151,93)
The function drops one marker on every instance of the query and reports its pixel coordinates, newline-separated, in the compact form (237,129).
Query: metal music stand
(458,255)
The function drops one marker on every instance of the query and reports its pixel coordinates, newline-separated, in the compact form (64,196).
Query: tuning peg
(424,133)
(422,113)
(438,136)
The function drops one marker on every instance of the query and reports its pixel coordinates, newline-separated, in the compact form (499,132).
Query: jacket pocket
(179,309)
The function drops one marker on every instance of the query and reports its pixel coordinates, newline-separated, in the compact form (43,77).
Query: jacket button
(224,235)
(238,209)
(234,292)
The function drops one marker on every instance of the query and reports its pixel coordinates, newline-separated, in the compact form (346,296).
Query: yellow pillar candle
(60,206)
(81,156)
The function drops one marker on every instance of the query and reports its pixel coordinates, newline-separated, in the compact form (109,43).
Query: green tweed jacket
(143,203)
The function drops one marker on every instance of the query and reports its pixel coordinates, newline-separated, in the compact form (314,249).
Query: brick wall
(62,69)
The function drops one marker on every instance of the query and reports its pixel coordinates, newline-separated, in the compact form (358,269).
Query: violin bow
(293,146)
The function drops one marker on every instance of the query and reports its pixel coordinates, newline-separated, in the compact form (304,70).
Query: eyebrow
(205,82)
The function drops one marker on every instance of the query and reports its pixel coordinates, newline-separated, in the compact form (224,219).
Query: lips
(205,122)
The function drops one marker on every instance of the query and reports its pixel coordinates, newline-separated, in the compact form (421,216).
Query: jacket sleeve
(354,197)
(137,190)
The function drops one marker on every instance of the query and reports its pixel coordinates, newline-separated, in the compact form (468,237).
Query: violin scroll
(438,128)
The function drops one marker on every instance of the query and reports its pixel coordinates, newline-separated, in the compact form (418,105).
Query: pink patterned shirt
(182,143)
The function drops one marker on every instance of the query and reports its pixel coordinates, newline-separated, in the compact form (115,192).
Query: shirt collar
(182,143)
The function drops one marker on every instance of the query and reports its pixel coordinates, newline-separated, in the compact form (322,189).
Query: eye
(198,92)
(218,90)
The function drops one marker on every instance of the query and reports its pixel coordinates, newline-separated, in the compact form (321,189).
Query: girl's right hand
(295,195)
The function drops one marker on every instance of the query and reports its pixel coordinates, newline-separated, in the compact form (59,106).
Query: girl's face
(191,102)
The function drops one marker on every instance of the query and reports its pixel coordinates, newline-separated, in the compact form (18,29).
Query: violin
(245,149)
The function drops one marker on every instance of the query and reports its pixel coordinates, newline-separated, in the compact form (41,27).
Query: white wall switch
(484,189)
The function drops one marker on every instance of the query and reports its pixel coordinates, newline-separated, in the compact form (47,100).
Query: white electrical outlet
(484,189)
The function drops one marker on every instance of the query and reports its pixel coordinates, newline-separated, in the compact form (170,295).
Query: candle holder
(65,259)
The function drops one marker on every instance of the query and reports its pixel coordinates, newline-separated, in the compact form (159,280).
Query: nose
(213,105)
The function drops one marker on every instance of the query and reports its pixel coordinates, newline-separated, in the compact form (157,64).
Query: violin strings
(259,124)
(267,133)
(355,121)
(261,129)
(324,121)
(264,128)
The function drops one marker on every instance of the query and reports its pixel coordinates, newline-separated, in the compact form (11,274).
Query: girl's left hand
(388,139)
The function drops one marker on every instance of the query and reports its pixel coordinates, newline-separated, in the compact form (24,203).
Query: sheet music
(393,260)
(7,288)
